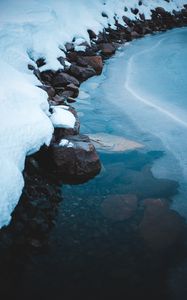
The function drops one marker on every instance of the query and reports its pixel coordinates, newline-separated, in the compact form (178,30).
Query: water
(123,235)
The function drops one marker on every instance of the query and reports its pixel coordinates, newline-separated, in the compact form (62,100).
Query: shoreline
(35,166)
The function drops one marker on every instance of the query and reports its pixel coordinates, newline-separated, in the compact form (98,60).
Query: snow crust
(30,30)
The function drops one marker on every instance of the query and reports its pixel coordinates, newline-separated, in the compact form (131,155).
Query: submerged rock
(119,207)
(161,226)
(113,143)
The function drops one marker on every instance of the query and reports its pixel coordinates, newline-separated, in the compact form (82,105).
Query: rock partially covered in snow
(74,159)
(65,120)
(61,117)
(113,143)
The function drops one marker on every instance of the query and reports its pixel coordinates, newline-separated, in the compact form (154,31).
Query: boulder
(92,34)
(82,73)
(73,88)
(62,79)
(74,159)
(65,121)
(161,227)
(46,76)
(135,35)
(107,49)
(113,143)
(95,62)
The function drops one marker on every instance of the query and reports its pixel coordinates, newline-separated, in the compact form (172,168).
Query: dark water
(115,237)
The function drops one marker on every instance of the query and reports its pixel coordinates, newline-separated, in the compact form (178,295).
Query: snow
(30,30)
(66,143)
(62,118)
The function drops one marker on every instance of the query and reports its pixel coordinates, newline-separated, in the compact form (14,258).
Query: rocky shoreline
(71,156)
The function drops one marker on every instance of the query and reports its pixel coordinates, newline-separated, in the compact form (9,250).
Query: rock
(46,76)
(142,16)
(67,93)
(135,11)
(40,62)
(82,73)
(62,130)
(107,49)
(58,99)
(95,62)
(160,10)
(113,143)
(69,46)
(63,61)
(119,207)
(104,15)
(161,226)
(62,79)
(70,100)
(92,34)
(49,89)
(31,67)
(135,35)
(74,159)
(74,89)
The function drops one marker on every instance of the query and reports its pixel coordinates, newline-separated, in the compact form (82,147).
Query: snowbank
(30,30)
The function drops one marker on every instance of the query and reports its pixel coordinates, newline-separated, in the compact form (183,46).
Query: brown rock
(73,88)
(119,207)
(62,79)
(92,34)
(82,73)
(60,132)
(161,226)
(95,62)
(107,49)
(77,161)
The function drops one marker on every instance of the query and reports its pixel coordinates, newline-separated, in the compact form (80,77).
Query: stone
(49,89)
(60,132)
(135,35)
(113,143)
(69,46)
(95,62)
(73,88)
(40,62)
(107,49)
(74,159)
(135,11)
(161,227)
(119,207)
(46,76)
(92,34)
(82,73)
(62,79)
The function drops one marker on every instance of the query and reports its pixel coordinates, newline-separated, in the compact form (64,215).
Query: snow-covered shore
(29,31)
